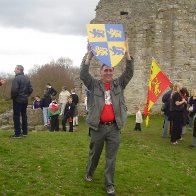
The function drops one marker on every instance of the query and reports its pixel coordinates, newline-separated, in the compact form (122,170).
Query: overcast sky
(37,31)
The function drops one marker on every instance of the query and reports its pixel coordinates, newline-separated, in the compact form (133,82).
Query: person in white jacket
(138,119)
(63,98)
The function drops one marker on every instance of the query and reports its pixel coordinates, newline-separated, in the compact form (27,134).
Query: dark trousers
(194,127)
(54,123)
(177,123)
(20,109)
(137,127)
(64,121)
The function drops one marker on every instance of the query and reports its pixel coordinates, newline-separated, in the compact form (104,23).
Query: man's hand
(89,51)
(89,54)
(127,49)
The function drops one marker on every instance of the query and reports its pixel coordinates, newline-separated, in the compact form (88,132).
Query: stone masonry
(35,120)
(165,30)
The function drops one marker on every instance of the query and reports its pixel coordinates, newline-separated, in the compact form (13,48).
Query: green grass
(47,163)
(5,105)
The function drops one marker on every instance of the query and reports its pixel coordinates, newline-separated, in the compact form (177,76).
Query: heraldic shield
(107,42)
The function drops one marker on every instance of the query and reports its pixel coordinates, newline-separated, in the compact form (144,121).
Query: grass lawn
(53,163)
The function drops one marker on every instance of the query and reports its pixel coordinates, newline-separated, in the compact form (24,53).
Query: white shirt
(63,96)
(139,118)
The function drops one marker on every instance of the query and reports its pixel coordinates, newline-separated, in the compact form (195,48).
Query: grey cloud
(56,16)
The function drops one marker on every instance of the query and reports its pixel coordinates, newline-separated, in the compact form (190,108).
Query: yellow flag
(156,86)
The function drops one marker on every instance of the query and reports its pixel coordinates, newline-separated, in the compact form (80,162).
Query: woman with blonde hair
(177,107)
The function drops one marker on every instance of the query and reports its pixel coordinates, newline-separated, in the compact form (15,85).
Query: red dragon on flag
(157,84)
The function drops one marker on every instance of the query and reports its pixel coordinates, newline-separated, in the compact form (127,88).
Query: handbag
(190,109)
(163,107)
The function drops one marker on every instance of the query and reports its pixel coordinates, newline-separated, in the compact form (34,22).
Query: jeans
(165,128)
(20,109)
(190,121)
(45,115)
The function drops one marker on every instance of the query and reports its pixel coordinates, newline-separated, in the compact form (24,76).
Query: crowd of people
(64,108)
(179,109)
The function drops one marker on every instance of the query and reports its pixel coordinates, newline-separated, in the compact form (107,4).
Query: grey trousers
(194,141)
(110,136)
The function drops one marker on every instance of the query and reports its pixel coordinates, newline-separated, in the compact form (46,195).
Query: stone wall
(161,29)
(35,120)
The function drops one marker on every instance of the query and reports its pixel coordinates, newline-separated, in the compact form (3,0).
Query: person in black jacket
(166,99)
(20,91)
(51,91)
(190,110)
(193,103)
(75,100)
(37,102)
(68,115)
(45,102)
(177,109)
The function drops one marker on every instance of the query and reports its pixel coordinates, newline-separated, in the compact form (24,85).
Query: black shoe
(15,136)
(110,190)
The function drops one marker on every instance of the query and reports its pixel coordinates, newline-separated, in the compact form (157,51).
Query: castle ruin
(165,30)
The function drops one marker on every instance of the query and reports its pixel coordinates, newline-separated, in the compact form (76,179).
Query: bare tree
(59,73)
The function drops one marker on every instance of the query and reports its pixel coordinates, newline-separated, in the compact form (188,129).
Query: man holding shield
(107,114)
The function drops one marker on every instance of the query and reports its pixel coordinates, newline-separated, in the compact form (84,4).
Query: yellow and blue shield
(107,42)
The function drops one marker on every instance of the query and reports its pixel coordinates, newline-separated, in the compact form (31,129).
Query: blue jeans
(45,115)
(20,109)
(166,124)
(190,121)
